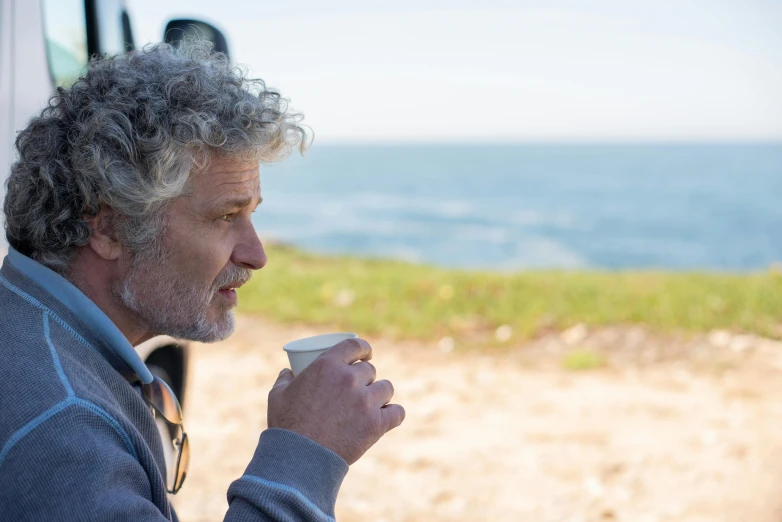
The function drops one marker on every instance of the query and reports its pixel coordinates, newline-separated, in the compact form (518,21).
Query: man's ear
(104,240)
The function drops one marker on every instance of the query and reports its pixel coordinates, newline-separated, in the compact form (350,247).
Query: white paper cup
(302,352)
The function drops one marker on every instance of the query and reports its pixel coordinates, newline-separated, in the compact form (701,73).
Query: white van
(46,43)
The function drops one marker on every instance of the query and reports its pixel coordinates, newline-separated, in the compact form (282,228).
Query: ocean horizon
(713,207)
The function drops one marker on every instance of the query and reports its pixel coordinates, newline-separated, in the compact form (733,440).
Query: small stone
(741,343)
(446,344)
(594,486)
(720,338)
(574,334)
(344,298)
(503,333)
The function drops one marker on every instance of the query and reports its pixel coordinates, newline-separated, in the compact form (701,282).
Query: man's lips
(232,286)
(229,291)
(229,294)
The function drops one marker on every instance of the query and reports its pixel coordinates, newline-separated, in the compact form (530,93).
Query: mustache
(232,275)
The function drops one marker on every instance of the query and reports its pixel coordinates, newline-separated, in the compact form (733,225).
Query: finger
(284,379)
(392,415)
(351,350)
(381,392)
(365,371)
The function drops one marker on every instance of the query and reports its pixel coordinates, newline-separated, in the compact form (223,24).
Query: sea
(710,207)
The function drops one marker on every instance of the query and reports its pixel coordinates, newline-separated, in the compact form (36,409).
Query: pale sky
(505,71)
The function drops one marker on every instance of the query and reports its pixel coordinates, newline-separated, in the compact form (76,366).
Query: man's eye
(227,217)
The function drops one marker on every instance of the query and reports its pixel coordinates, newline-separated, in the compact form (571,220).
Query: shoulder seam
(111,421)
(25,430)
(30,426)
(55,358)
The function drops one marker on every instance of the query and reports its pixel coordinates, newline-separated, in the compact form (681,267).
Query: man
(128,216)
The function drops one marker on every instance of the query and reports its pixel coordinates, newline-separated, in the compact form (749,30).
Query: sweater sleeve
(290,478)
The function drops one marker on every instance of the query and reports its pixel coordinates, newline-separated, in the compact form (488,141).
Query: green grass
(401,300)
(578,360)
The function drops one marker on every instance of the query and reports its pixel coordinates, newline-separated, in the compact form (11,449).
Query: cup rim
(292,349)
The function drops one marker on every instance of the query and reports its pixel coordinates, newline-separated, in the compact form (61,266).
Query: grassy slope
(401,300)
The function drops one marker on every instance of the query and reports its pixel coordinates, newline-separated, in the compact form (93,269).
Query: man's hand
(336,402)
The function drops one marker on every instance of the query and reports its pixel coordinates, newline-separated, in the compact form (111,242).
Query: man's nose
(249,253)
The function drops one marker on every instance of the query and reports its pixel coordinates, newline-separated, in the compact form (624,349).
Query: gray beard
(170,304)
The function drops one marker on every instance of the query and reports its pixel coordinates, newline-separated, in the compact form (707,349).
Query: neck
(97,278)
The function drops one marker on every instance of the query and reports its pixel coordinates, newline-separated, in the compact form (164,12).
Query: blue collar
(82,306)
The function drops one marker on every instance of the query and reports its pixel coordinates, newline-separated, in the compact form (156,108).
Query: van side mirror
(177,30)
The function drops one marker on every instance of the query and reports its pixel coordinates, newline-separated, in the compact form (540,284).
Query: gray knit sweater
(78,442)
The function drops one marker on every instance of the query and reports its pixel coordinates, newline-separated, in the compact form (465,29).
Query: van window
(65,30)
(110,23)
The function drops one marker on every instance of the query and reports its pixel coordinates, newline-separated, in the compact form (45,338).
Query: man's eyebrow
(238,202)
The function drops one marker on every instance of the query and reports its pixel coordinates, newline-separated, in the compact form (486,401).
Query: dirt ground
(669,430)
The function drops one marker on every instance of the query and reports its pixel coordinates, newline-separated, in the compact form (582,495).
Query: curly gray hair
(129,134)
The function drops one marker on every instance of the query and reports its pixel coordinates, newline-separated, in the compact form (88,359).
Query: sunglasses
(164,402)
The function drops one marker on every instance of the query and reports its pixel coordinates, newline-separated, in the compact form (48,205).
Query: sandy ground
(670,430)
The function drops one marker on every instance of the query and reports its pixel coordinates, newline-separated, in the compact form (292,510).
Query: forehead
(227,177)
